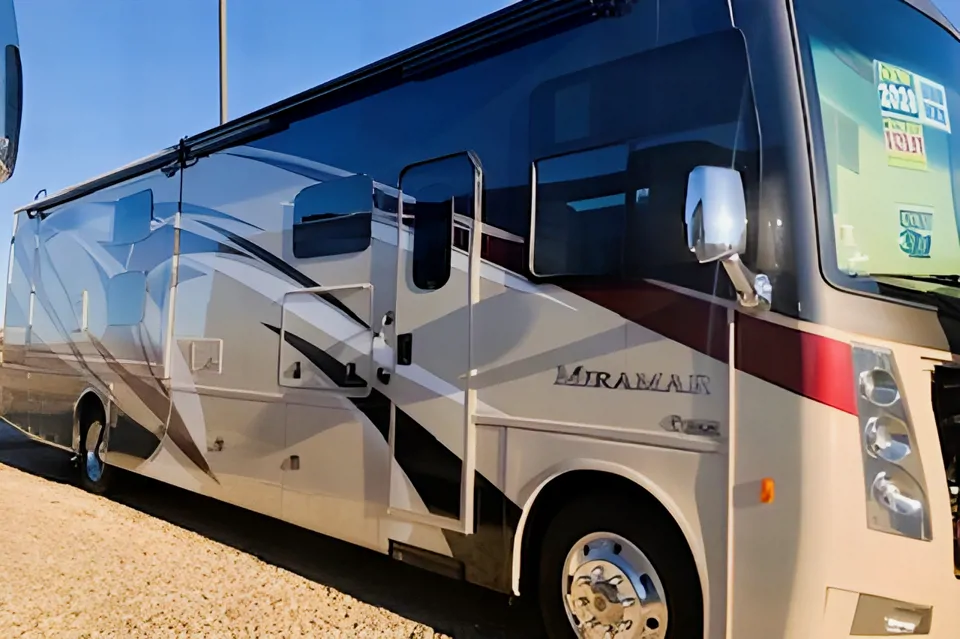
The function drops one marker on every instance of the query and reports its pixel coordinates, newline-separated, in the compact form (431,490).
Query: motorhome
(645,311)
(11,89)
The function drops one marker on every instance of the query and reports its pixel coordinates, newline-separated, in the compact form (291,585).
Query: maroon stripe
(695,323)
(505,253)
(816,367)
(809,365)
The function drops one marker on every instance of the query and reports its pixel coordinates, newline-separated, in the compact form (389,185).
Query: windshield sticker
(898,95)
(905,145)
(934,98)
(904,95)
(916,228)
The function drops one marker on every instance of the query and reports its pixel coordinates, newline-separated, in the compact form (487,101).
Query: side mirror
(716,214)
(716,225)
(11,77)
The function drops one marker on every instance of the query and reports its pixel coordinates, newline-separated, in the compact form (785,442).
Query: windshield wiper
(935,279)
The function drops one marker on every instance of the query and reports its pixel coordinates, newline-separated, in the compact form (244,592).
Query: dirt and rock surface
(159,562)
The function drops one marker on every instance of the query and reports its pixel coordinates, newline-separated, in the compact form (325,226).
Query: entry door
(438,283)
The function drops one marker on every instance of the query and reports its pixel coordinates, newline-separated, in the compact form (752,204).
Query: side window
(435,195)
(126,298)
(333,218)
(132,216)
(580,206)
(612,157)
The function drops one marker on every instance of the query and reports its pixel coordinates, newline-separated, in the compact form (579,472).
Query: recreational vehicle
(11,89)
(647,312)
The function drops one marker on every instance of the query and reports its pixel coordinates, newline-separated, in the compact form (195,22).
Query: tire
(615,528)
(95,476)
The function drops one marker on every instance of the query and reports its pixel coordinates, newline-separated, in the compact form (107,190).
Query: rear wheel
(95,475)
(611,568)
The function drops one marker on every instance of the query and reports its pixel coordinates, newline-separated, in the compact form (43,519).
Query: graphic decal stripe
(160,405)
(695,323)
(272,260)
(328,365)
(810,365)
(434,470)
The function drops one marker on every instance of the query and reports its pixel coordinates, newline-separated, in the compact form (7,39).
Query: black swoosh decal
(435,471)
(328,365)
(269,258)
(159,404)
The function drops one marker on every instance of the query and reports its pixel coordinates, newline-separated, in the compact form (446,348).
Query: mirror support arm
(753,290)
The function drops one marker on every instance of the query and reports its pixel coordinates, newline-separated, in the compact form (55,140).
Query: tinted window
(126,297)
(617,210)
(333,218)
(580,210)
(131,218)
(434,194)
(501,106)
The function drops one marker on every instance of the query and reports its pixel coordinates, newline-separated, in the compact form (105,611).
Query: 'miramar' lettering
(658,382)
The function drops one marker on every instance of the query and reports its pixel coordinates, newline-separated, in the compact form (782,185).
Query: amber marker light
(768,490)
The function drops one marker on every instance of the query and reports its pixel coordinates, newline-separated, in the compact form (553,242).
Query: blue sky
(110,81)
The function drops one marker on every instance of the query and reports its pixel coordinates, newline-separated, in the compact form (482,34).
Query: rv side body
(404,310)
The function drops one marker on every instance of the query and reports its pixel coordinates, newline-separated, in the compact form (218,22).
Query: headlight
(892,472)
(887,438)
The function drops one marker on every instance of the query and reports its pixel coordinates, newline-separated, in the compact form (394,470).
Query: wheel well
(89,407)
(561,491)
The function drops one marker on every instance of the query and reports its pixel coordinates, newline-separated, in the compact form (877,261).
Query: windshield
(882,80)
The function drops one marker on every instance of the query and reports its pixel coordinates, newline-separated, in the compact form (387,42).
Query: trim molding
(676,441)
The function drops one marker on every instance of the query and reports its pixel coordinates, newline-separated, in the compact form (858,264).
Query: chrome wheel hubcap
(611,590)
(94,452)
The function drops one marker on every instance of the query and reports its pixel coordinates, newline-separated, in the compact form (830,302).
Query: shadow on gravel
(454,608)
(19,451)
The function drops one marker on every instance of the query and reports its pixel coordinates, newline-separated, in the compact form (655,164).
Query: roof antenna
(37,196)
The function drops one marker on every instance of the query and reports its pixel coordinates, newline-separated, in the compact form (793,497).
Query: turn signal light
(768,490)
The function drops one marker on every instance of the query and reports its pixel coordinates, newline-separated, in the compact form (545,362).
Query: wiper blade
(935,279)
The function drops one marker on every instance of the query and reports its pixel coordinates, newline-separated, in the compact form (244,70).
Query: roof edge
(510,19)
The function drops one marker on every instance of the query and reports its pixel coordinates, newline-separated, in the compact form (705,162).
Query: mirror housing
(716,214)
(716,226)
(11,79)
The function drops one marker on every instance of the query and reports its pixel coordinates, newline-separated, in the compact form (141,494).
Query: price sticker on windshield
(898,94)
(916,231)
(906,148)
(905,95)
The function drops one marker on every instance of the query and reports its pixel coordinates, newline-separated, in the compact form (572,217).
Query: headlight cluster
(892,471)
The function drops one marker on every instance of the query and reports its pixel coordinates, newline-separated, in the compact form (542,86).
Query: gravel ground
(77,565)
(347,584)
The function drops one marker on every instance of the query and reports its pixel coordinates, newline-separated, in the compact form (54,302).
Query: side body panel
(98,312)
(14,388)
(598,364)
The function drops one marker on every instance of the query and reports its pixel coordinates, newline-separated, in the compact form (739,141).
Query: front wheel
(612,568)
(95,475)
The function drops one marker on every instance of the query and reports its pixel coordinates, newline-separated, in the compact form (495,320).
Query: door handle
(296,370)
(404,349)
